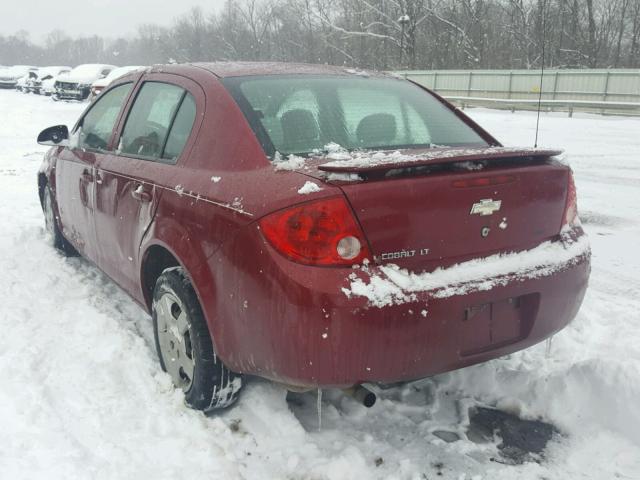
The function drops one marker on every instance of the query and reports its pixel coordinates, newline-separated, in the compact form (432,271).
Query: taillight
(322,232)
(571,208)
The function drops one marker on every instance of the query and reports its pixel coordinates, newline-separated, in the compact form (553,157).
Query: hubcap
(174,340)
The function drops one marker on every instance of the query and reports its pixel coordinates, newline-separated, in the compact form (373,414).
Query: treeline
(381,34)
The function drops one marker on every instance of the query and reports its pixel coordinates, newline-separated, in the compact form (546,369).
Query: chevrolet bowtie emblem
(485,207)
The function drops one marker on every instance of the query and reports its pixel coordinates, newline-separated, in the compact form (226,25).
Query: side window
(97,125)
(180,129)
(149,119)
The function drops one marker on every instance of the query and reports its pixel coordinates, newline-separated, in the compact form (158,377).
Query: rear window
(303,114)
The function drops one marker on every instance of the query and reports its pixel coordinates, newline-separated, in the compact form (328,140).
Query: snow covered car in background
(9,76)
(76,85)
(99,85)
(22,85)
(313,226)
(45,76)
(48,86)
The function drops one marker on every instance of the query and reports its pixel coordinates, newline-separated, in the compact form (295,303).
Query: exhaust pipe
(362,394)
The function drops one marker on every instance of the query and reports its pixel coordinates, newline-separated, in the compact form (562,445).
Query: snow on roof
(89,68)
(116,73)
(88,72)
(53,70)
(17,71)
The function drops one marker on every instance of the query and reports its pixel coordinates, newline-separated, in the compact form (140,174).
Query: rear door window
(180,129)
(96,128)
(150,119)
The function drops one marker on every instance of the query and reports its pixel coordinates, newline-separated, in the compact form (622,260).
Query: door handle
(86,176)
(98,178)
(141,194)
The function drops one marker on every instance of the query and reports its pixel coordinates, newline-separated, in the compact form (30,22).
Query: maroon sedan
(312,225)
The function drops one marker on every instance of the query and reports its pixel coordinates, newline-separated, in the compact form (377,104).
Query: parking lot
(83,396)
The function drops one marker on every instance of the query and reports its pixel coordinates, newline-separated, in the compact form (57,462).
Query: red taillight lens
(323,232)
(571,207)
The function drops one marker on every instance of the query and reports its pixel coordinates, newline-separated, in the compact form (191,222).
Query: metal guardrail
(606,91)
(629,108)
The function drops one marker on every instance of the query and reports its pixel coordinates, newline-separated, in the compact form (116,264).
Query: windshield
(303,114)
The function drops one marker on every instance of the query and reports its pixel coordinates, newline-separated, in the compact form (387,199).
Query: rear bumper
(296,325)
(8,83)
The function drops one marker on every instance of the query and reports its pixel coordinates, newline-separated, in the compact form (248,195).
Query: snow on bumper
(391,285)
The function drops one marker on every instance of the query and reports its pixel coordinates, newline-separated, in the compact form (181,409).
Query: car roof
(240,69)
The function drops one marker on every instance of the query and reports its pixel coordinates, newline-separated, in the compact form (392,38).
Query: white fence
(603,91)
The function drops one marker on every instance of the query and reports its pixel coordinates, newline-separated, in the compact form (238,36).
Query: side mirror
(54,136)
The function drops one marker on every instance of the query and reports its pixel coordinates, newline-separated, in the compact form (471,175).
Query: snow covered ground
(82,395)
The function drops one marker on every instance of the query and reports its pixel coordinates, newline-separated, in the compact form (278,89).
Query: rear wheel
(185,348)
(51,225)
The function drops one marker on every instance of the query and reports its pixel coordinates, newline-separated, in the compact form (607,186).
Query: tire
(51,225)
(184,345)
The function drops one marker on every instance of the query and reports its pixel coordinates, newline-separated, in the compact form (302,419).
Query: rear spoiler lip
(433,157)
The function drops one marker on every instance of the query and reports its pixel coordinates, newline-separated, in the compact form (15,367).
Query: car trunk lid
(423,210)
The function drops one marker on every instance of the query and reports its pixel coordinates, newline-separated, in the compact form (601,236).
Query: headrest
(300,131)
(376,129)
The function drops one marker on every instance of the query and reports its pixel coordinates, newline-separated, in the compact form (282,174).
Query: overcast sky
(110,18)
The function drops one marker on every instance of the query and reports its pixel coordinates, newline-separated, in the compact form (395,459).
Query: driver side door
(75,174)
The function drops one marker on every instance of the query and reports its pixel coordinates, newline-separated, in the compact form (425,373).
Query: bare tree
(382,34)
